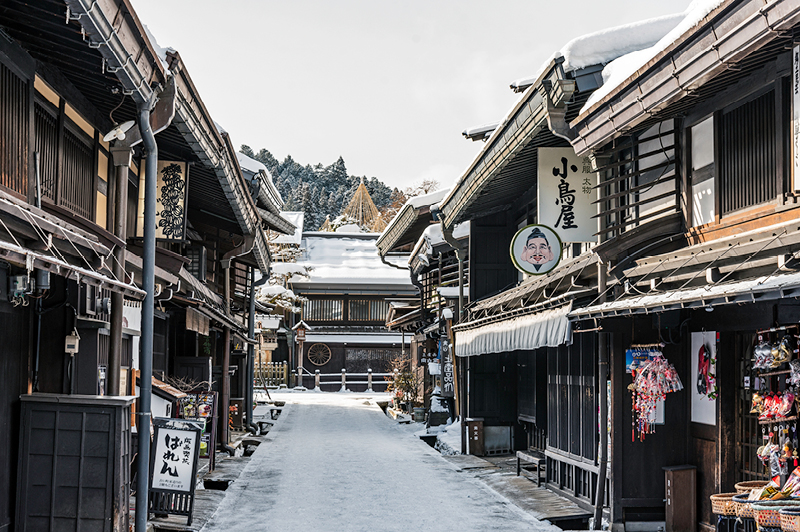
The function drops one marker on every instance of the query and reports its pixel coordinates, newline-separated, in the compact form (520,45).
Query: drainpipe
(252,427)
(450,239)
(386,262)
(121,155)
(602,369)
(143,416)
(226,390)
(602,377)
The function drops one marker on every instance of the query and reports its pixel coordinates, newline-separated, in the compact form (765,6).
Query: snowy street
(334,461)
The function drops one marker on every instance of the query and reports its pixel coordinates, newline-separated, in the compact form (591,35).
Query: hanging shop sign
(171,187)
(796,115)
(173,466)
(448,372)
(566,194)
(536,249)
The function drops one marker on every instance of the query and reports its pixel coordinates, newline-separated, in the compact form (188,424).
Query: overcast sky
(388,85)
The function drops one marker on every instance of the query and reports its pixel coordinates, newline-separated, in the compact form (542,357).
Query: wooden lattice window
(14,123)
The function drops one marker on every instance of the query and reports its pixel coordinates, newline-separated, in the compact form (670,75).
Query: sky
(387,85)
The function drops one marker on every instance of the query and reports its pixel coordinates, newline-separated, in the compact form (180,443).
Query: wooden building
(71,225)
(692,162)
(347,293)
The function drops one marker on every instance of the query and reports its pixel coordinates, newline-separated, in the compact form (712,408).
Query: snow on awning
(549,328)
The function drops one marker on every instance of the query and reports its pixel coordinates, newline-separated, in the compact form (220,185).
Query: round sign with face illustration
(536,249)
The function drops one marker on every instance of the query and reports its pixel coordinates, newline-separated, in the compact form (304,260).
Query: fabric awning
(549,328)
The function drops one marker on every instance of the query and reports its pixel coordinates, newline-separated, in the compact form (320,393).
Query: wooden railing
(341,379)
(271,374)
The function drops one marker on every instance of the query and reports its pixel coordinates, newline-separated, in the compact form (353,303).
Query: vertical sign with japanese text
(796,116)
(175,459)
(566,194)
(448,373)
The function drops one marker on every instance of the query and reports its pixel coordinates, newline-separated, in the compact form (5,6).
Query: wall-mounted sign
(171,189)
(448,372)
(796,115)
(536,249)
(566,192)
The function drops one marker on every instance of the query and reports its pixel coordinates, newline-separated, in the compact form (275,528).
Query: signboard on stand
(173,466)
(566,194)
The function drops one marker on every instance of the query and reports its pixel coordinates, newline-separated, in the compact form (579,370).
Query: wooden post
(285,373)
(344,380)
(369,380)
(316,380)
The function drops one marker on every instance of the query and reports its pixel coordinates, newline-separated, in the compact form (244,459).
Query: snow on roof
(602,47)
(160,51)
(425,200)
(619,70)
(434,237)
(338,258)
(296,219)
(357,338)
(286,268)
(250,164)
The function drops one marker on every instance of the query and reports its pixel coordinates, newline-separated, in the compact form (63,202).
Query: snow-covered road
(334,462)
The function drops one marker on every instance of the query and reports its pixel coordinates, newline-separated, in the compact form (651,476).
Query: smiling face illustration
(537,250)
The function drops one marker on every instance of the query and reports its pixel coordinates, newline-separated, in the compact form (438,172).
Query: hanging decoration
(652,381)
(706,372)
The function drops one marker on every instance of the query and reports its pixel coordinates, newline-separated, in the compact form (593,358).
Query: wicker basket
(744,507)
(748,485)
(722,504)
(766,512)
(790,519)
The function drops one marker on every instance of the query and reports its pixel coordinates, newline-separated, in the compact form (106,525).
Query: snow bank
(448,441)
(619,70)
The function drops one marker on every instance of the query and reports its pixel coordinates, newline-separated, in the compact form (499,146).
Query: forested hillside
(318,190)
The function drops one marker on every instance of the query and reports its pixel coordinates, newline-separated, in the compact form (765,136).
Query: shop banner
(566,194)
(702,386)
(448,372)
(796,115)
(172,186)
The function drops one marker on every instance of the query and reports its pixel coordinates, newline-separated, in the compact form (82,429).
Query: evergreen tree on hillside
(318,190)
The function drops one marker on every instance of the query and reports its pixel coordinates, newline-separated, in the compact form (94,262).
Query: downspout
(386,262)
(450,239)
(602,377)
(225,399)
(121,154)
(252,427)
(144,414)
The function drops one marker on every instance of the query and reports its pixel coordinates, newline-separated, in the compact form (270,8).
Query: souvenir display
(706,373)
(652,381)
(774,400)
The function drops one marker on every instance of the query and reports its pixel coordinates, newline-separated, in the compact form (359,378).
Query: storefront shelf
(777,420)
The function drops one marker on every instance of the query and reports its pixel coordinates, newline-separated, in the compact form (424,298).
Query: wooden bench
(532,466)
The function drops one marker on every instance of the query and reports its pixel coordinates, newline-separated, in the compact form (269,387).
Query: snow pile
(625,66)
(448,441)
(424,200)
(289,268)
